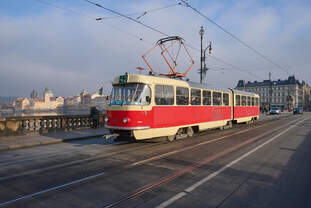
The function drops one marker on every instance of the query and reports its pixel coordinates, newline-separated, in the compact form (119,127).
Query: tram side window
(164,95)
(182,96)
(206,97)
(217,98)
(237,100)
(243,101)
(257,101)
(195,97)
(253,101)
(248,101)
(225,97)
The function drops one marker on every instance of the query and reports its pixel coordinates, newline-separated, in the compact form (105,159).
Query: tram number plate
(123,79)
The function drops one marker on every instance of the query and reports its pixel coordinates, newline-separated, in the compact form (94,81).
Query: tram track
(135,148)
(46,156)
(199,164)
(147,160)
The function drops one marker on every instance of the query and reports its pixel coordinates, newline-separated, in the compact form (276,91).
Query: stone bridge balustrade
(43,124)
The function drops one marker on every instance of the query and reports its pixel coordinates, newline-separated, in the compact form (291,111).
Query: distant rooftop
(290,80)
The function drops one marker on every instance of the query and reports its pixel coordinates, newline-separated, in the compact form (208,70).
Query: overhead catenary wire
(158,31)
(127,17)
(236,38)
(225,62)
(89,17)
(141,14)
(133,35)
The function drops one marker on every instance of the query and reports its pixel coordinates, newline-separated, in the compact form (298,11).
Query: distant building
(281,93)
(33,94)
(98,100)
(22,104)
(72,101)
(85,99)
(49,102)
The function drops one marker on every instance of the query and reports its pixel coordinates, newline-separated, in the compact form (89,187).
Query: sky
(58,43)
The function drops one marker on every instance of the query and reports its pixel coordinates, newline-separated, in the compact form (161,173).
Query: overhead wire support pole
(236,38)
(201,57)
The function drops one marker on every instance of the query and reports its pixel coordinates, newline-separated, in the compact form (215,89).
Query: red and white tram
(149,106)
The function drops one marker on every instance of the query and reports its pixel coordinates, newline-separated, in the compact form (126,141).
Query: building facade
(48,102)
(285,94)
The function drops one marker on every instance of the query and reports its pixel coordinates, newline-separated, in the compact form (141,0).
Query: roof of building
(20,99)
(291,80)
(38,100)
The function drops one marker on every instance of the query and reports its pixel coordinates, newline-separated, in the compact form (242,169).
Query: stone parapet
(44,124)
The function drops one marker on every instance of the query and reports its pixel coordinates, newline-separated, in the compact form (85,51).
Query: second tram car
(149,106)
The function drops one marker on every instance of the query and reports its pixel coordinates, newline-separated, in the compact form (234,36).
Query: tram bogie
(149,106)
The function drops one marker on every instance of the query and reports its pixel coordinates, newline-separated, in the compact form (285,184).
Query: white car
(274,111)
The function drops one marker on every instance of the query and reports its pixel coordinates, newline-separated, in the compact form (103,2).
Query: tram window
(256,101)
(217,98)
(248,101)
(195,97)
(206,97)
(253,101)
(225,97)
(182,96)
(237,100)
(164,95)
(130,94)
(243,101)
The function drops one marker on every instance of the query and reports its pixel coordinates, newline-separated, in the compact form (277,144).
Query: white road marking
(209,177)
(52,189)
(51,155)
(102,173)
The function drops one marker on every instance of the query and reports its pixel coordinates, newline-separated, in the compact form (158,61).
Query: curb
(55,141)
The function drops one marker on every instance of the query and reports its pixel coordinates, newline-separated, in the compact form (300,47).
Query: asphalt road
(266,164)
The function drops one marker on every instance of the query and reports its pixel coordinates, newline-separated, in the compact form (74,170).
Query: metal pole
(270,91)
(201,68)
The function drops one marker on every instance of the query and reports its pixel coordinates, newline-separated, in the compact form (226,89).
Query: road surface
(266,164)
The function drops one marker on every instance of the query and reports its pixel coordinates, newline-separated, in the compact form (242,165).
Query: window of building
(164,95)
(248,101)
(237,100)
(217,98)
(182,96)
(195,97)
(253,101)
(225,97)
(207,97)
(243,100)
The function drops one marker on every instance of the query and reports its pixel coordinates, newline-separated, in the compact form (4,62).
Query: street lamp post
(201,32)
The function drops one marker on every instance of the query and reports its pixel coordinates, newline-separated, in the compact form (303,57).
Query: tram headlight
(106,120)
(125,120)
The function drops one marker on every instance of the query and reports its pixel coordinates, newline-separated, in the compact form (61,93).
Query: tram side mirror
(148,99)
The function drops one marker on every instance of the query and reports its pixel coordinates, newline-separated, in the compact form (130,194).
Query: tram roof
(243,92)
(190,83)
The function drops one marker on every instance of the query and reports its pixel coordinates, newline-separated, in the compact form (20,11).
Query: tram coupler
(108,136)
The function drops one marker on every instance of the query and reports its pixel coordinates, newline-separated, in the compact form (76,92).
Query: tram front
(130,105)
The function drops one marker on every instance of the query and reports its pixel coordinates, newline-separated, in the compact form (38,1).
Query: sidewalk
(17,142)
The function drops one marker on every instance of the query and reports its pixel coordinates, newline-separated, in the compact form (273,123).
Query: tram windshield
(130,94)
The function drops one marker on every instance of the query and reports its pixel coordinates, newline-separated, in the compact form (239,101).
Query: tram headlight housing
(125,120)
(106,120)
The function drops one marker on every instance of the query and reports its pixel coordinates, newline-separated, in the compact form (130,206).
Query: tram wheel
(190,132)
(171,138)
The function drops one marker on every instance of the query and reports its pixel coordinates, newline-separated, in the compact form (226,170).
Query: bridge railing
(43,124)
